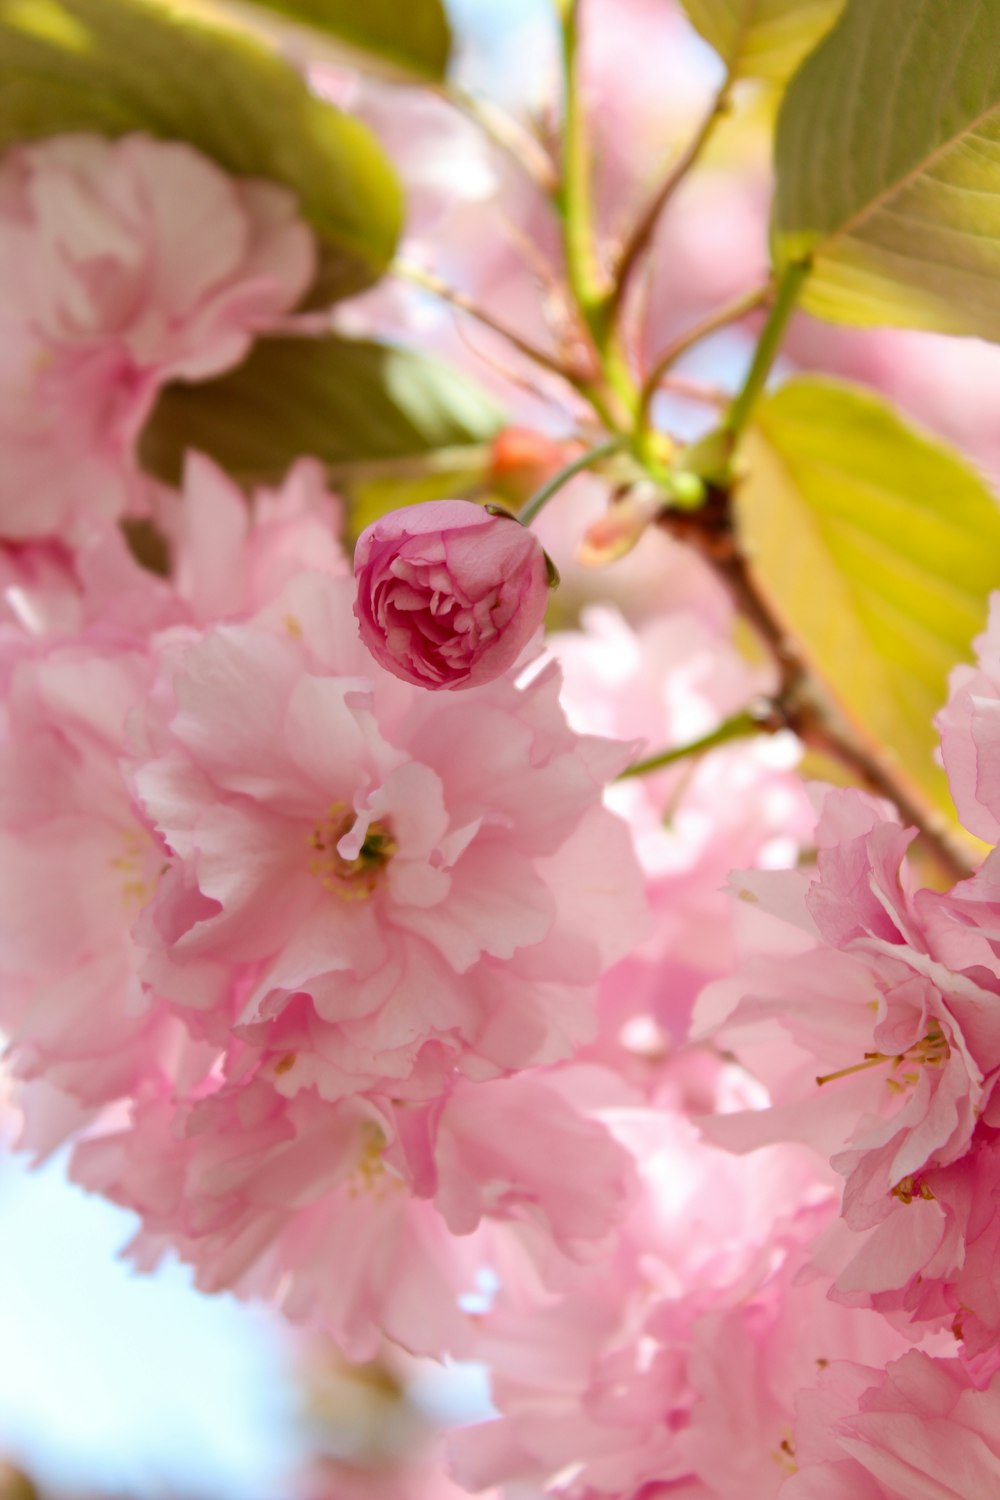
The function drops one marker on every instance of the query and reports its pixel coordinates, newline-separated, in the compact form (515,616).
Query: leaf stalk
(537,502)
(739,727)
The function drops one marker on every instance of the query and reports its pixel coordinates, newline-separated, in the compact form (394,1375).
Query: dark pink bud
(448,594)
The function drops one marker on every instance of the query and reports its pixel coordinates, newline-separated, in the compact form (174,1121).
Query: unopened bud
(615,533)
(522,460)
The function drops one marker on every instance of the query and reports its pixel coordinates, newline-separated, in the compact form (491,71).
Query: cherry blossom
(920,1428)
(449,594)
(372,883)
(79,863)
(357,1217)
(123,264)
(970,734)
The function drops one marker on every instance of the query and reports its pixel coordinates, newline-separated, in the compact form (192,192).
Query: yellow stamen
(872,1060)
(930,1052)
(351,879)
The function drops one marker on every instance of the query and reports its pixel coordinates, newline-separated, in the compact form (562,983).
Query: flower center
(137,867)
(370,1175)
(910,1187)
(351,879)
(784,1455)
(930,1052)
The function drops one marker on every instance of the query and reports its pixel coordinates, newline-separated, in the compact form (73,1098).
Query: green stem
(575,196)
(737,728)
(589,285)
(720,317)
(531,507)
(642,235)
(786,295)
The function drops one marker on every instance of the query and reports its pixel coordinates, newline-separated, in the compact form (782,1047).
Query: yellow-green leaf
(375,415)
(878,547)
(888,167)
(762,38)
(407,39)
(116,66)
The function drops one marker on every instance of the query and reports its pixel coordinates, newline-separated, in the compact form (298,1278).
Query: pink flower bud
(448,593)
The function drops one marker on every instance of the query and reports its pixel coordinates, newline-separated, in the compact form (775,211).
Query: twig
(575,196)
(430,282)
(720,317)
(695,390)
(580,380)
(410,466)
(737,728)
(562,320)
(532,383)
(800,697)
(614,394)
(786,294)
(642,235)
(530,509)
(506,132)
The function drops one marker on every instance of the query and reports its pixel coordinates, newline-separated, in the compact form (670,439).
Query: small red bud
(522,460)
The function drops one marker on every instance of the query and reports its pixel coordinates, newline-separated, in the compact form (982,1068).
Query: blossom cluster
(283,933)
(336,947)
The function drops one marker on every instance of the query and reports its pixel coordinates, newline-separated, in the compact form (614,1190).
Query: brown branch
(800,698)
(642,235)
(720,317)
(703,391)
(508,134)
(430,282)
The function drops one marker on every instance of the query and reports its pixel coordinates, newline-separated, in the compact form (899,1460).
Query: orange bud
(522,460)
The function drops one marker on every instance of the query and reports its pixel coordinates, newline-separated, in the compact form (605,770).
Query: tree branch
(800,697)
(507,133)
(429,281)
(721,317)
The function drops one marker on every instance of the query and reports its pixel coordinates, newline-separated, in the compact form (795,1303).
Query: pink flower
(229,554)
(360,1216)
(876,1029)
(376,885)
(293,1201)
(920,1428)
(873,1050)
(78,864)
(743,804)
(232,554)
(448,594)
(49,590)
(123,264)
(677,1359)
(970,734)
(936,1262)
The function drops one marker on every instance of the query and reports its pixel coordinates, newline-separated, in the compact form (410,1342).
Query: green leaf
(878,547)
(116,66)
(888,167)
(762,38)
(382,419)
(408,40)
